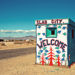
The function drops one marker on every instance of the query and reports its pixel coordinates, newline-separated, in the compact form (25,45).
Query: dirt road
(9,53)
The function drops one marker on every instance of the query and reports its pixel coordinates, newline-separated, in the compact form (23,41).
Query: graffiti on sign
(58,43)
(42,22)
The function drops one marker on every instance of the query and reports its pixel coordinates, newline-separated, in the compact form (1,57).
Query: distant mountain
(19,38)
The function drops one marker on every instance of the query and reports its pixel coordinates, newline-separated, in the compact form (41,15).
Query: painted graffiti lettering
(51,21)
(60,20)
(41,21)
(52,42)
(44,43)
(40,46)
(47,42)
(58,43)
(61,44)
(56,21)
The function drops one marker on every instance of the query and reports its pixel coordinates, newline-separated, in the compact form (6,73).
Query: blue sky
(21,14)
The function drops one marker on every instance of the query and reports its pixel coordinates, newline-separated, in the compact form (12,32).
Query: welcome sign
(55,42)
(52,42)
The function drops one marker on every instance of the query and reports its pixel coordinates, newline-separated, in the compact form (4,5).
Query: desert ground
(17,44)
(20,60)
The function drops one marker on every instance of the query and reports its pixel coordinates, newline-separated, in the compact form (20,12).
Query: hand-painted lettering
(52,42)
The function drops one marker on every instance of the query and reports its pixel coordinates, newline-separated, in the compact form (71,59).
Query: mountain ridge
(19,38)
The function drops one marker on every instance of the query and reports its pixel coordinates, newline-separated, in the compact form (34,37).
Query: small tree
(58,61)
(50,55)
(42,59)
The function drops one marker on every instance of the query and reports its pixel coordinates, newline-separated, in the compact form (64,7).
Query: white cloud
(22,31)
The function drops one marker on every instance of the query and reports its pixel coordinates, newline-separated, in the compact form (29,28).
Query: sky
(17,17)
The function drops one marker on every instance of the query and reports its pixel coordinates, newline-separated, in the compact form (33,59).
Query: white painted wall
(42,29)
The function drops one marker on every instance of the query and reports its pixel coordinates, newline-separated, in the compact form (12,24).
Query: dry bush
(19,42)
(31,42)
(2,44)
(24,41)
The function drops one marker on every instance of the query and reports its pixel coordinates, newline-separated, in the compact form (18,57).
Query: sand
(11,45)
(25,65)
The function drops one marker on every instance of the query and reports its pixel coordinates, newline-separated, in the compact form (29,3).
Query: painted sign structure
(55,42)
